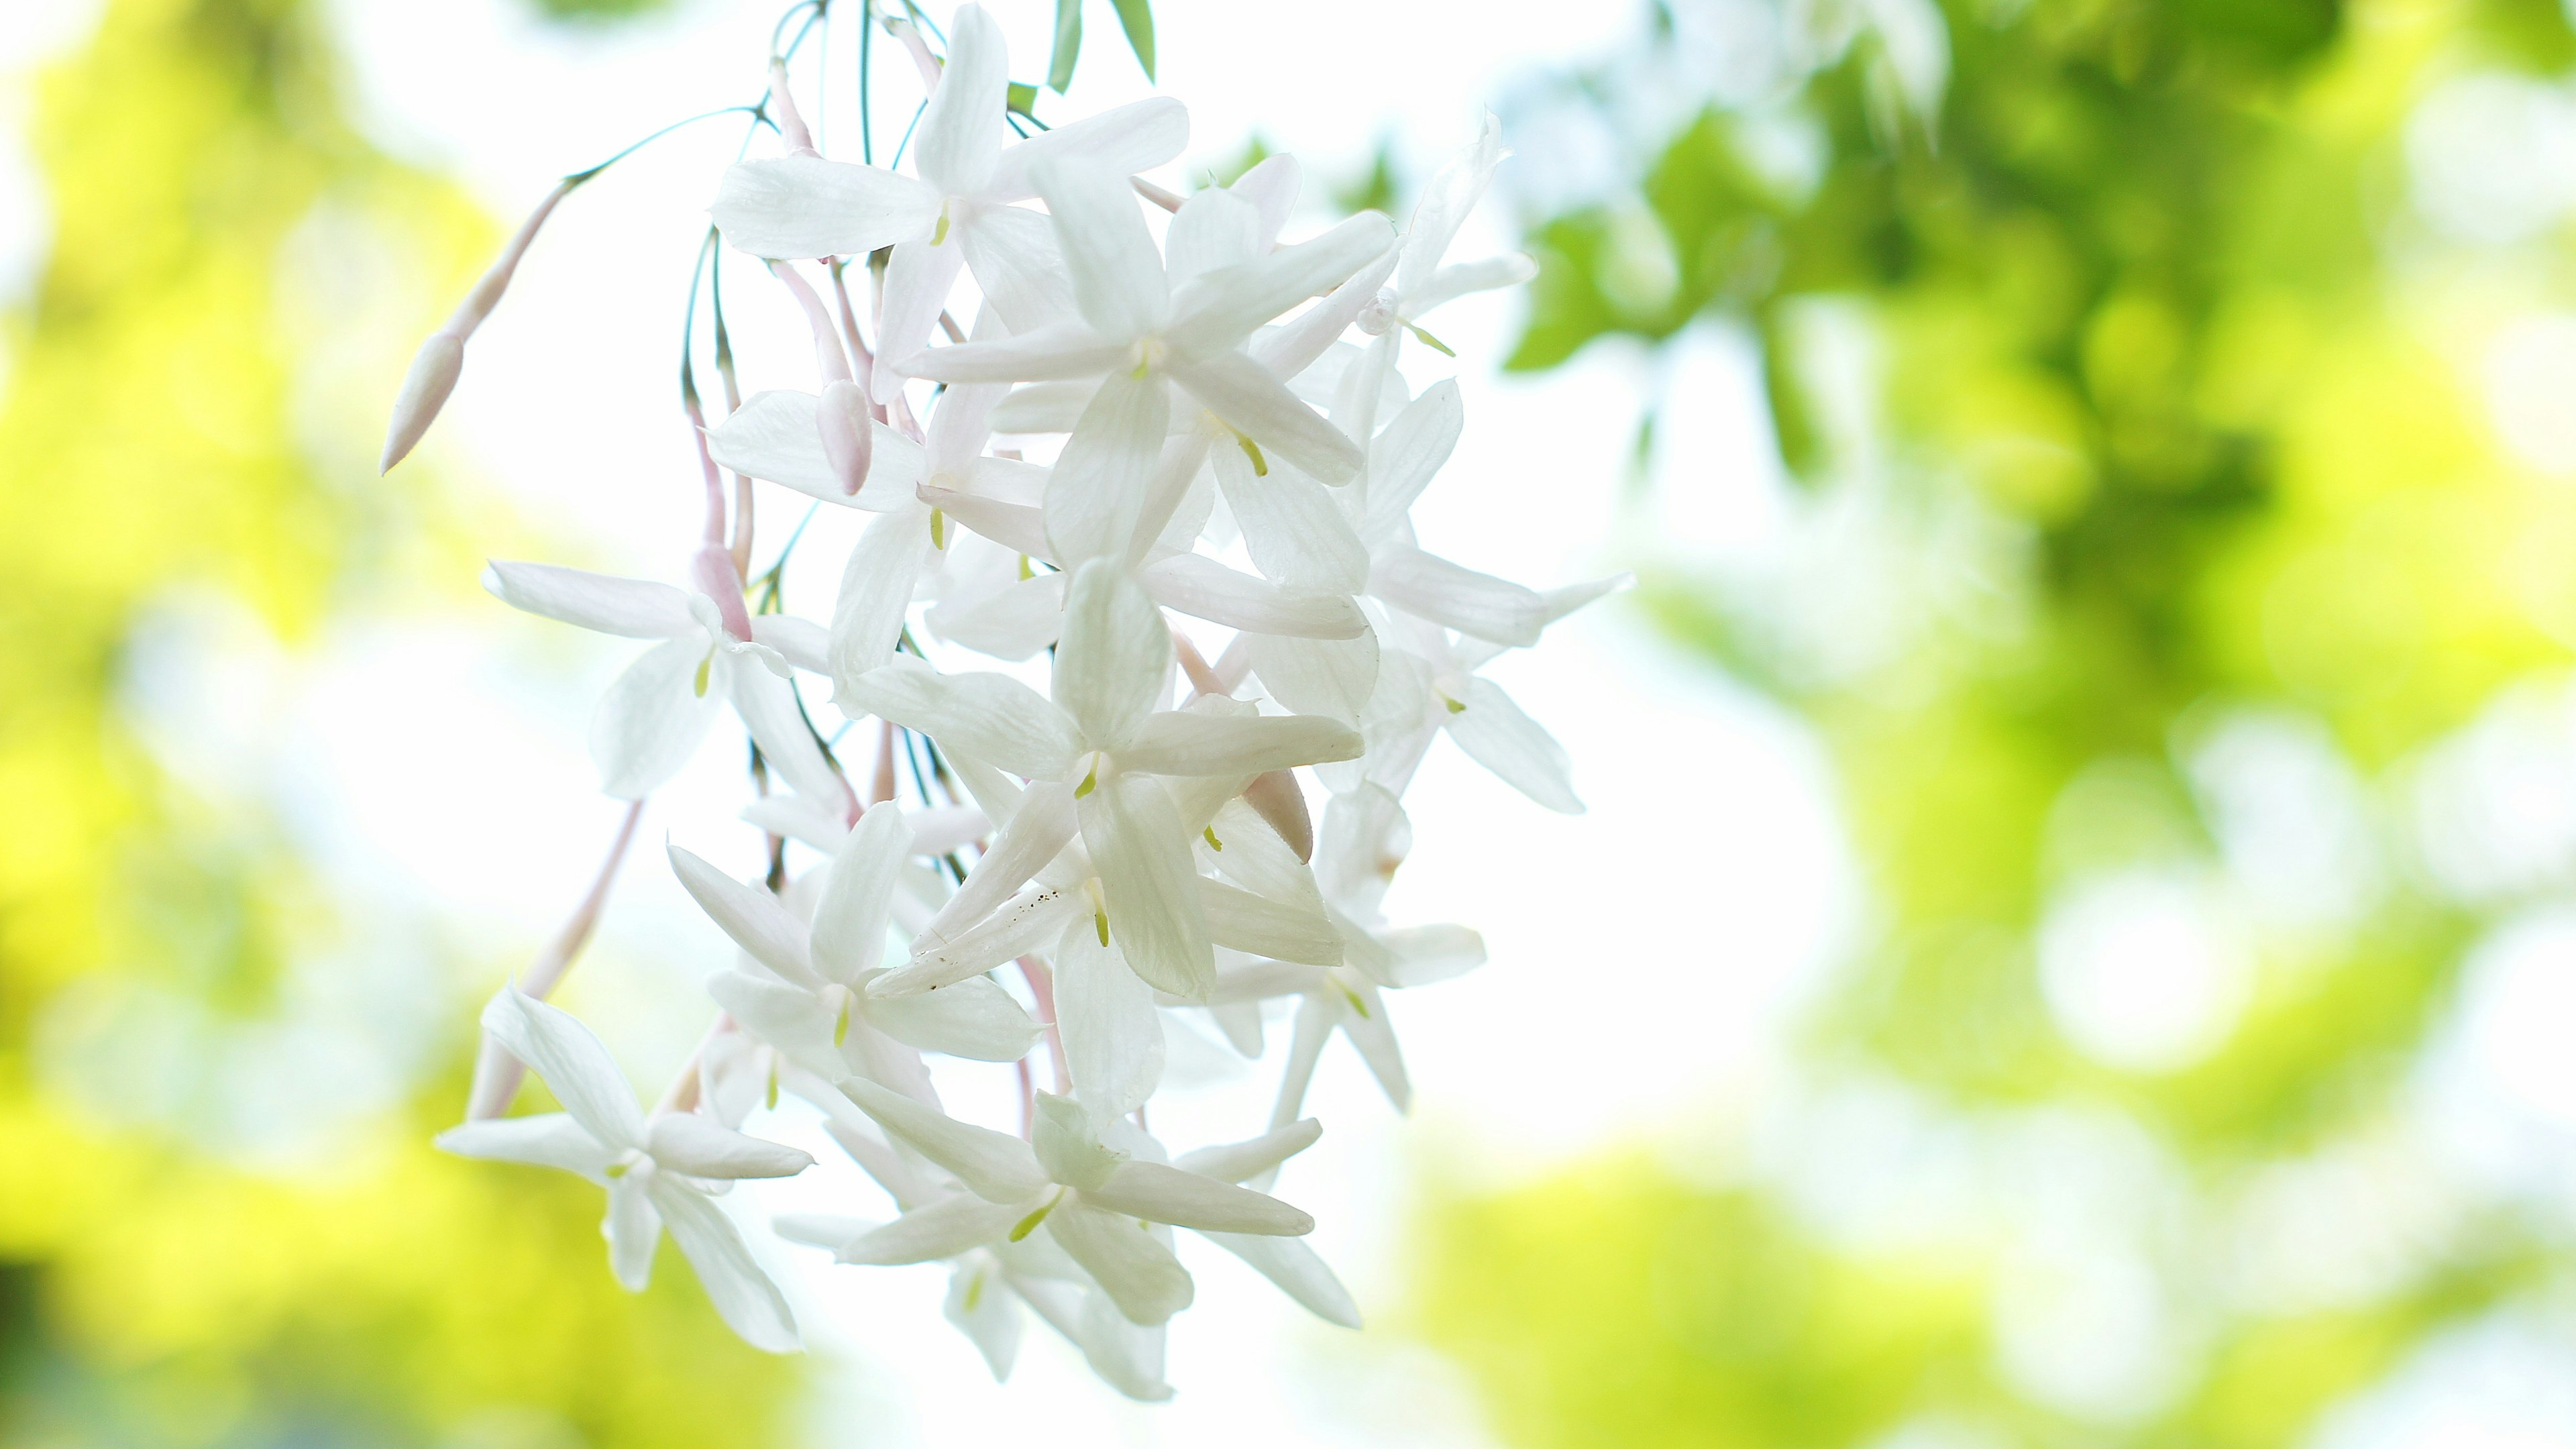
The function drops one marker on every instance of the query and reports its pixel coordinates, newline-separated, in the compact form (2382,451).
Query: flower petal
(918,281)
(1113,656)
(1241,921)
(1260,406)
(1012,252)
(876,588)
(548,1139)
(1403,458)
(752,916)
(652,718)
(1213,230)
(686,1142)
(1180,742)
(849,933)
(994,1166)
(1160,1194)
(1299,1271)
(1024,923)
(778,437)
(634,1230)
(1495,734)
(1485,274)
(1205,589)
(1037,831)
(743,1296)
(1332,678)
(986,1310)
(1459,598)
(574,1063)
(1146,875)
(791,207)
(991,717)
(1117,277)
(973,1019)
(1425,954)
(635,608)
(1113,1036)
(1219,308)
(1135,1269)
(1242,1161)
(1103,478)
(960,134)
(1292,527)
(945,1228)
(1138,136)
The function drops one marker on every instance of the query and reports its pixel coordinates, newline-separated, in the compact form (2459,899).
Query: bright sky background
(1646,957)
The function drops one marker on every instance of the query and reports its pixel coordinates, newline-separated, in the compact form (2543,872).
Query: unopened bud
(712,570)
(434,370)
(848,441)
(1378,313)
(1276,798)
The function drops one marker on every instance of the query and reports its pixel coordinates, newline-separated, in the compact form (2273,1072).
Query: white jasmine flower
(659,1170)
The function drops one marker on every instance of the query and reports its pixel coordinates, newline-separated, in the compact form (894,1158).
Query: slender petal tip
(433,375)
(848,442)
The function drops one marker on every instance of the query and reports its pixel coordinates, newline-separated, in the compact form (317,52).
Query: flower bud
(1278,800)
(712,570)
(434,370)
(848,441)
(1378,313)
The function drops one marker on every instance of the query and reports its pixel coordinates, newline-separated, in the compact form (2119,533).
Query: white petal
(960,133)
(548,1139)
(984,1308)
(1482,275)
(990,717)
(1271,186)
(1242,921)
(1162,1194)
(777,436)
(1214,229)
(1012,252)
(1460,598)
(1403,458)
(1026,922)
(919,280)
(752,916)
(686,1142)
(801,642)
(635,608)
(941,1229)
(1203,588)
(1180,742)
(1113,655)
(1303,341)
(1113,1036)
(1134,1268)
(1038,830)
(653,718)
(575,1065)
(1495,734)
(1315,1018)
(1365,837)
(743,1296)
(1298,1270)
(1332,678)
(876,588)
(1098,490)
(1366,1024)
(1452,193)
(1219,309)
(1239,390)
(1137,844)
(633,1229)
(994,1166)
(786,1017)
(973,1019)
(1241,1161)
(1292,527)
(1044,407)
(849,933)
(1138,136)
(1425,954)
(1015,526)
(1117,278)
(804,206)
(1249,851)
(1013,624)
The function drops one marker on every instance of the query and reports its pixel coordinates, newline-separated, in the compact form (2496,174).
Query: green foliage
(2153,381)
(595,12)
(1135,18)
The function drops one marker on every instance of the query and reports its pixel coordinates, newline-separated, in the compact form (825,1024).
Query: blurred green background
(2175,564)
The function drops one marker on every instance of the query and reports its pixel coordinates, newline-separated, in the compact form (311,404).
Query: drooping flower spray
(1248,656)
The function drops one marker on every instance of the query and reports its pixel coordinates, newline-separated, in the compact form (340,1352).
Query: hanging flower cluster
(1240,449)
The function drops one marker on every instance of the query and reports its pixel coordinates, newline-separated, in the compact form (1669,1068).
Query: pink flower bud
(434,370)
(848,441)
(712,570)
(1280,802)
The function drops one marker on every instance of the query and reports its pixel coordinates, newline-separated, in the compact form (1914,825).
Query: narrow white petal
(919,279)
(1038,830)
(750,915)
(1113,1036)
(1425,954)
(1249,851)
(801,642)
(1271,186)
(1201,587)
(1134,1268)
(973,1019)
(743,1296)
(1219,308)
(790,207)
(1013,624)
(1048,353)
(1012,252)
(876,587)
(1452,193)
(1298,344)
(1242,1161)
(1292,526)
(1156,1193)
(1180,742)
(1332,678)
(1460,598)
(1044,407)
(635,608)
(1403,458)
(1482,275)
(960,134)
(1241,921)
(575,1065)
(789,1018)
(984,1307)
(1214,229)
(994,1166)
(1495,734)
(653,718)
(941,1229)
(849,934)
(1299,1271)
(1124,140)
(633,1229)
(1118,283)
(1315,1017)
(990,717)
(777,437)
(1113,656)
(1097,492)
(548,1139)
(686,1142)
(1026,922)
(1239,390)
(1138,845)
(1366,1024)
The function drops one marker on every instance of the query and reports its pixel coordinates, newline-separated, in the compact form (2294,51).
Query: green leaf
(1068,44)
(1136,17)
(1023,99)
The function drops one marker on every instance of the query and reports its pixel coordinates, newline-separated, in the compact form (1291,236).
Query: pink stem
(827,342)
(782,107)
(497,1074)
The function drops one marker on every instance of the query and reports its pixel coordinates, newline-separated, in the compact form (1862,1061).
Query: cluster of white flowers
(1080,864)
